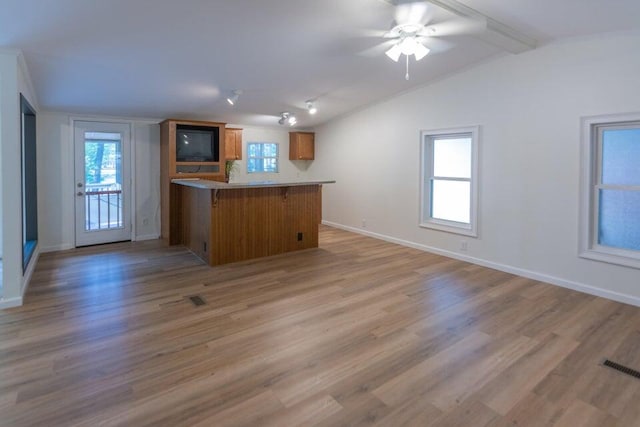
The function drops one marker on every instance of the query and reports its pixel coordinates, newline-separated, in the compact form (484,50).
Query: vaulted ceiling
(162,58)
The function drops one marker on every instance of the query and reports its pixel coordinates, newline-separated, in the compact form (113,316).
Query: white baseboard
(67,246)
(55,248)
(580,287)
(10,302)
(147,237)
(26,279)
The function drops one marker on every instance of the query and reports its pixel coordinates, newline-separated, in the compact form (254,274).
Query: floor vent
(621,368)
(197,300)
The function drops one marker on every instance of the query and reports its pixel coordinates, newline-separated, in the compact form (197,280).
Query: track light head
(288,118)
(233,98)
(311,108)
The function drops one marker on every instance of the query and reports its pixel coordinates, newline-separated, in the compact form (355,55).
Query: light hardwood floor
(356,332)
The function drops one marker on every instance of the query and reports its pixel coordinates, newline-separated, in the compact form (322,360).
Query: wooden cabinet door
(233,144)
(306,147)
(301,146)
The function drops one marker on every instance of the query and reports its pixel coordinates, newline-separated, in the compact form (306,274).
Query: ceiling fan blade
(454,27)
(372,33)
(412,13)
(436,45)
(377,50)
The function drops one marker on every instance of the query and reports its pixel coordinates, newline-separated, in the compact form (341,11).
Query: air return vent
(621,368)
(197,300)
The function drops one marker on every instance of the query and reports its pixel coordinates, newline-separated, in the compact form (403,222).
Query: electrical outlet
(463,246)
(364,223)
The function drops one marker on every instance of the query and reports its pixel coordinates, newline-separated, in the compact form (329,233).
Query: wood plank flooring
(357,332)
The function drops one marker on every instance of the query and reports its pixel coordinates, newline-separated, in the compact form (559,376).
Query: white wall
(529,108)
(288,170)
(56,179)
(14,79)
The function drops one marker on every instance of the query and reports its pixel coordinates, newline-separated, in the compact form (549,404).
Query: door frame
(132,165)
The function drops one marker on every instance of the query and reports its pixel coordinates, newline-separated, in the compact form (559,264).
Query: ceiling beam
(494,32)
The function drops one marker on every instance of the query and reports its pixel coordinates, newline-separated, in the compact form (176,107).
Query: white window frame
(277,157)
(591,171)
(426,175)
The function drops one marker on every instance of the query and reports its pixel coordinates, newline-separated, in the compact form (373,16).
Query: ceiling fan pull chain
(406,76)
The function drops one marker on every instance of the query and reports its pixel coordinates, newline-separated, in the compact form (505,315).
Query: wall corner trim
(580,287)
(10,302)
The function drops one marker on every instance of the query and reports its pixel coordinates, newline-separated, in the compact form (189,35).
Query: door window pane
(103,181)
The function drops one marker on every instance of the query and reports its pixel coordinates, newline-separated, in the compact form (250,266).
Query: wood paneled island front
(229,222)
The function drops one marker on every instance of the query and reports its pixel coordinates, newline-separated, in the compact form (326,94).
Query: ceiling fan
(415,32)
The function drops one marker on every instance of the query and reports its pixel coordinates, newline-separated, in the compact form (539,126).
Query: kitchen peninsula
(229,222)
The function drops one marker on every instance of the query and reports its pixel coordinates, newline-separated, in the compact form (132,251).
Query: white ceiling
(161,58)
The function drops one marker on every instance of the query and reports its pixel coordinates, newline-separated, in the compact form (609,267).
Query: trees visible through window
(262,157)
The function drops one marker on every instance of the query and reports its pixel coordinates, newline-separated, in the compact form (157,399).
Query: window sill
(450,228)
(617,257)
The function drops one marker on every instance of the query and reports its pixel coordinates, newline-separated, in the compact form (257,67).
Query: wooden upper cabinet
(301,145)
(233,144)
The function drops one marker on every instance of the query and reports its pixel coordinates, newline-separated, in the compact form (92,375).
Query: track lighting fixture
(233,98)
(287,118)
(311,108)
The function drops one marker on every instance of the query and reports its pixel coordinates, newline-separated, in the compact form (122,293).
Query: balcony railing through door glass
(103,181)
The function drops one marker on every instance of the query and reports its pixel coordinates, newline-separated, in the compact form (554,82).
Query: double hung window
(262,157)
(449,180)
(611,190)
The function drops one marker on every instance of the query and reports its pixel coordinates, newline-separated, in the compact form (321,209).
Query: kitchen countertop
(216,185)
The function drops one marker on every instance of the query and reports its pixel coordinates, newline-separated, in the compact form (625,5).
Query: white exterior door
(102,182)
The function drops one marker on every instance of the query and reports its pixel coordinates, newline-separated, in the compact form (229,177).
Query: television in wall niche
(196,144)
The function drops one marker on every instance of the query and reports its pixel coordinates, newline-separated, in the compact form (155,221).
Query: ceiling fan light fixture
(421,51)
(394,52)
(408,45)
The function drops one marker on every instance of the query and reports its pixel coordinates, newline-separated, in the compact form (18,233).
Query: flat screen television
(197,144)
